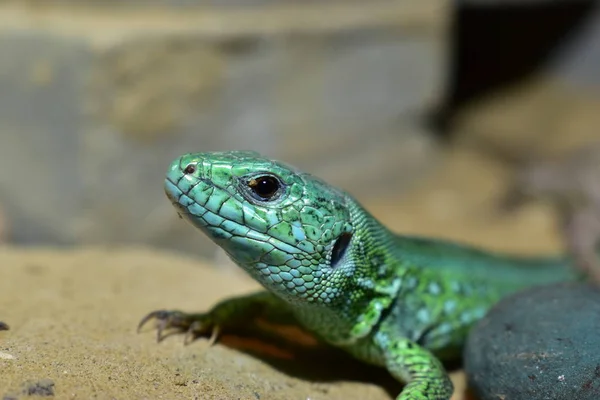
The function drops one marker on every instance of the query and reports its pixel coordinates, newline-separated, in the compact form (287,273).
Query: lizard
(405,303)
(3,326)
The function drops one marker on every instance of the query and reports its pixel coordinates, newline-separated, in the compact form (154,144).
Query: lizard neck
(369,286)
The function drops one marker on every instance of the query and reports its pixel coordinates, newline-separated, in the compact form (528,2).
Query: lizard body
(404,303)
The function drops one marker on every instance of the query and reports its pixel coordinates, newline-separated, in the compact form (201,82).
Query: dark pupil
(265,186)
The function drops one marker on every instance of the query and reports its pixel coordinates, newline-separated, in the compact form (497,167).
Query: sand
(73,316)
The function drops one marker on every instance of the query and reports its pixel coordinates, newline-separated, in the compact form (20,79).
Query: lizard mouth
(176,196)
(186,202)
(172,191)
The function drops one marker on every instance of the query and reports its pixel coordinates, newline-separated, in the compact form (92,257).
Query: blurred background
(426,110)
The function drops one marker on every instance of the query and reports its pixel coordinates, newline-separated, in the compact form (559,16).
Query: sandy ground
(73,316)
(73,313)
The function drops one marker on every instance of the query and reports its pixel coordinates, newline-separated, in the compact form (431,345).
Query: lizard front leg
(423,373)
(227,315)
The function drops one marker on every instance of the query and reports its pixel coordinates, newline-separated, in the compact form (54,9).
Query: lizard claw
(192,325)
(163,321)
(214,336)
(3,326)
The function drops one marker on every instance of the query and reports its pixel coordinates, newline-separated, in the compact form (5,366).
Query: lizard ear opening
(339,248)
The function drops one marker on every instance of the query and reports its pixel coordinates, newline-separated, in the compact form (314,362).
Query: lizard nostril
(189,169)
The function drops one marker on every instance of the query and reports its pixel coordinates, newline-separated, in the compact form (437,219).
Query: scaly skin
(404,303)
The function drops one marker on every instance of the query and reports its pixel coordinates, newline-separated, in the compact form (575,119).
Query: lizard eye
(265,187)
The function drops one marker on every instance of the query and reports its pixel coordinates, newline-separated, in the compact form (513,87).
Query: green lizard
(404,303)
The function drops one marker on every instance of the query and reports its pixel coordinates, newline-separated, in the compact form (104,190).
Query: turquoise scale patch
(312,233)
(212,219)
(201,194)
(306,246)
(232,211)
(215,202)
(185,201)
(235,228)
(257,236)
(298,232)
(197,210)
(283,246)
(286,276)
(298,281)
(253,219)
(283,232)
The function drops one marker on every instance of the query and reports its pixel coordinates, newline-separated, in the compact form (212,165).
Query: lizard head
(286,228)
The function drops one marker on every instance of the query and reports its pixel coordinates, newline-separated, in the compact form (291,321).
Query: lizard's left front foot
(192,325)
(423,391)
(3,326)
(425,377)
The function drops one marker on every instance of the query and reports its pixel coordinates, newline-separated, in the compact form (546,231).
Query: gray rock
(577,64)
(42,388)
(540,344)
